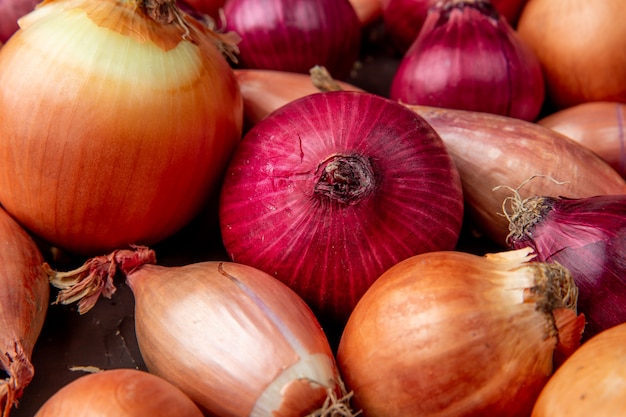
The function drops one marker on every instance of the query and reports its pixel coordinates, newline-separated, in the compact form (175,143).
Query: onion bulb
(119,393)
(588,237)
(118,123)
(456,334)
(330,190)
(468,57)
(237,341)
(24,292)
(580,45)
(597,125)
(592,382)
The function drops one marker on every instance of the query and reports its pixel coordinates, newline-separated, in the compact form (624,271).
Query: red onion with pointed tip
(332,189)
(468,57)
(295,35)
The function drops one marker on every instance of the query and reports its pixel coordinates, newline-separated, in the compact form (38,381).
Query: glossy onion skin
(592,382)
(119,393)
(226,334)
(449,334)
(24,297)
(295,35)
(587,236)
(327,251)
(468,57)
(115,130)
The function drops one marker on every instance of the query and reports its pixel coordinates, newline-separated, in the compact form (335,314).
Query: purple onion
(332,189)
(10,12)
(468,57)
(588,237)
(295,35)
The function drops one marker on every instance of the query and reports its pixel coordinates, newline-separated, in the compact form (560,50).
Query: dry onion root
(237,341)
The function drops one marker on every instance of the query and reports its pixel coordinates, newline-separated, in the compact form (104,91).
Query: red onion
(587,236)
(10,12)
(332,189)
(404,18)
(295,35)
(234,339)
(24,292)
(468,57)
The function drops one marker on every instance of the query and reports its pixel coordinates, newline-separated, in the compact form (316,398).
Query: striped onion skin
(405,199)
(115,127)
(295,35)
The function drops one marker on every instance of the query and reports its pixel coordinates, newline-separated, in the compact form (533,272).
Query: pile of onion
(118,123)
(467,56)
(234,339)
(330,190)
(119,393)
(24,292)
(451,334)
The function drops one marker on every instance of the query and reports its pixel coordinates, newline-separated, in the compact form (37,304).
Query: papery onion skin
(119,393)
(295,35)
(580,46)
(597,125)
(89,177)
(24,292)
(592,382)
(588,237)
(237,341)
(492,151)
(279,213)
(456,334)
(10,12)
(468,57)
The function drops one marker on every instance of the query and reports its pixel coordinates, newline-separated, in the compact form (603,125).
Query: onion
(468,57)
(580,46)
(89,177)
(24,293)
(332,189)
(456,334)
(587,236)
(492,151)
(210,8)
(591,382)
(237,341)
(598,125)
(10,12)
(295,35)
(119,393)
(404,18)
(264,91)
(368,11)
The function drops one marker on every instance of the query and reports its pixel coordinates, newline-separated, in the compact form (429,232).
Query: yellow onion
(597,125)
(455,334)
(119,393)
(591,382)
(117,119)
(236,340)
(24,297)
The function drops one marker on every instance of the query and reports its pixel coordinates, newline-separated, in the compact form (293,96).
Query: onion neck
(346,179)
(526,214)
(482,6)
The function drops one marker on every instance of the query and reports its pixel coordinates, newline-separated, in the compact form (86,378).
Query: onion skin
(280,212)
(368,11)
(119,393)
(598,125)
(492,151)
(455,334)
(93,178)
(591,381)
(10,12)
(207,7)
(464,49)
(580,46)
(588,237)
(295,35)
(234,339)
(264,91)
(24,292)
